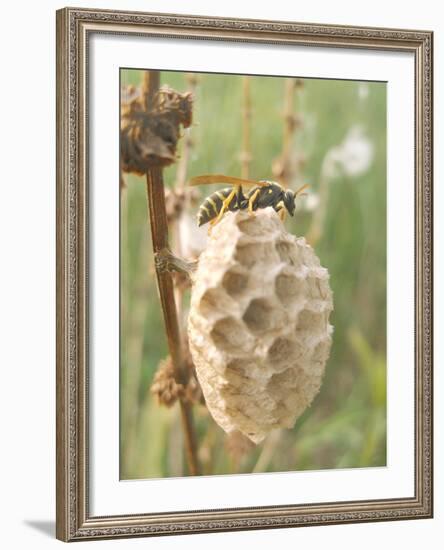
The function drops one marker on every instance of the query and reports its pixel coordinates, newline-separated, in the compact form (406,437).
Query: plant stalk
(180,185)
(283,165)
(159,232)
(187,142)
(316,228)
(245,155)
(289,126)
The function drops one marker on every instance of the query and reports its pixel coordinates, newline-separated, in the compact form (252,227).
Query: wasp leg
(281,210)
(241,198)
(225,206)
(252,199)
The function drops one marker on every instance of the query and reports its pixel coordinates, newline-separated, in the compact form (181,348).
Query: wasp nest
(258,325)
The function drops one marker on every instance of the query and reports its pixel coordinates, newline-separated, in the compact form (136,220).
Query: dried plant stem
(245,155)
(180,184)
(150,86)
(316,228)
(268,451)
(289,126)
(282,166)
(187,143)
(159,233)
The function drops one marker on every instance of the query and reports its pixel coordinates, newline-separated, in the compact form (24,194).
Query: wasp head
(289,201)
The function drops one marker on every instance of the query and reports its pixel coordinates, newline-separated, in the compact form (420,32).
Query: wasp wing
(220,178)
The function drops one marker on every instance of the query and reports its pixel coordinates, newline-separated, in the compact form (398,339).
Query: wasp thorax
(259,327)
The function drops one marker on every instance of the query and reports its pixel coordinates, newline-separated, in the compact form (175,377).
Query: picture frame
(75,214)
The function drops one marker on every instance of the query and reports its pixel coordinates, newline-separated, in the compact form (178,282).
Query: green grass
(346,425)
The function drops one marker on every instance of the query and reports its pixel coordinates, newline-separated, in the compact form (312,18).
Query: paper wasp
(263,193)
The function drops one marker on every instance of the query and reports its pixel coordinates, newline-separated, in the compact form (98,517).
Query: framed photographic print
(244,274)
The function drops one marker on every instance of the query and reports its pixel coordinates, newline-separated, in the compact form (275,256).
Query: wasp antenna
(299,191)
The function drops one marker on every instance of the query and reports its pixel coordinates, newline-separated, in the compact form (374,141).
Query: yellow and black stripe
(263,194)
(212,205)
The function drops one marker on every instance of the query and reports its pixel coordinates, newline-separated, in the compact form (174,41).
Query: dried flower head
(181,105)
(164,385)
(168,391)
(149,138)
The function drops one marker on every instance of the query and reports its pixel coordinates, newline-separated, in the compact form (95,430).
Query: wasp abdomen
(212,205)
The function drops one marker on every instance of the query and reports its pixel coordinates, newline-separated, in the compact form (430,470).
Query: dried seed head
(181,105)
(149,139)
(164,384)
(168,391)
(258,325)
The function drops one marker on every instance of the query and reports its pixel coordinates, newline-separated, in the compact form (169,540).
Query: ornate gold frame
(73,28)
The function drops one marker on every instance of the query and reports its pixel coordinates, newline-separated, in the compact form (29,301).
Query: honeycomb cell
(282,383)
(311,321)
(281,350)
(259,315)
(243,369)
(240,379)
(318,288)
(251,254)
(208,302)
(250,227)
(289,287)
(234,282)
(283,248)
(285,379)
(321,351)
(228,335)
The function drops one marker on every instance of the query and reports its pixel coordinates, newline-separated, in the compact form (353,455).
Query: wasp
(262,193)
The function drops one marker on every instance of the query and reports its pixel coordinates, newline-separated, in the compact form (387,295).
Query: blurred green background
(345,427)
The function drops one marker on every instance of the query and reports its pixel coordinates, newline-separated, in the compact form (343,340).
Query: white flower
(353,157)
(308,202)
(363,91)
